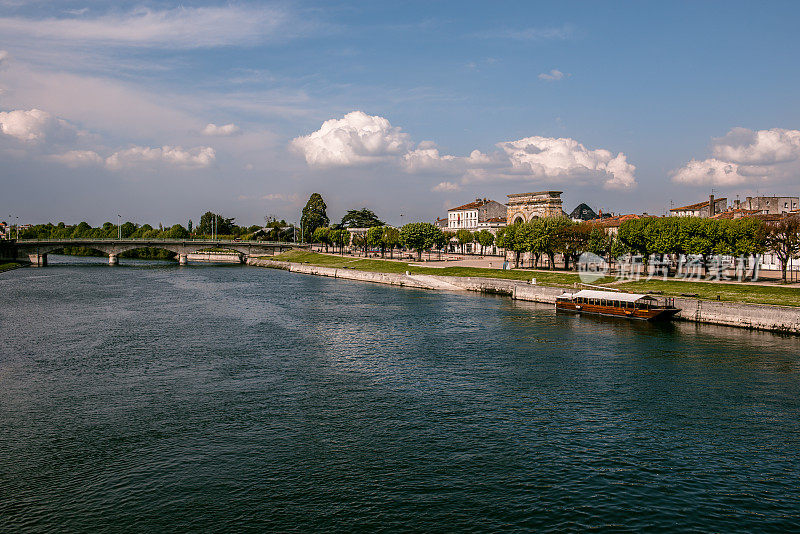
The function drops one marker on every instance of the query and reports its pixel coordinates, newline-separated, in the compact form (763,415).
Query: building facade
(701,209)
(471,216)
(771,205)
(523,207)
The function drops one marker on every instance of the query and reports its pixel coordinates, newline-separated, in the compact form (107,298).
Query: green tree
(419,236)
(391,236)
(485,238)
(314,215)
(464,236)
(363,218)
(375,238)
(572,241)
(783,239)
(176,232)
(224,226)
(321,235)
(190,226)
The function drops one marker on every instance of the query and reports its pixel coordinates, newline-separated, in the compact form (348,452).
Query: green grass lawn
(9,266)
(383,266)
(783,296)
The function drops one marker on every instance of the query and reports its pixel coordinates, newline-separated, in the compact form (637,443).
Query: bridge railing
(158,241)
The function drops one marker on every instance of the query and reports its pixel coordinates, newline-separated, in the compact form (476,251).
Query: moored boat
(617,304)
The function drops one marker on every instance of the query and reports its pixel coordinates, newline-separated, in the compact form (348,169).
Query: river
(151,397)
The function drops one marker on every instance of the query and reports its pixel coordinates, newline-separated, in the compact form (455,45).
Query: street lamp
(119,226)
(17,227)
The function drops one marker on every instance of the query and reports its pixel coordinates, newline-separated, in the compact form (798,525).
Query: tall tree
(391,236)
(783,238)
(375,239)
(363,218)
(485,238)
(419,236)
(464,236)
(314,215)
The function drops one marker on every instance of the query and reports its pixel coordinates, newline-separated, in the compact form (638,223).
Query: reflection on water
(156,397)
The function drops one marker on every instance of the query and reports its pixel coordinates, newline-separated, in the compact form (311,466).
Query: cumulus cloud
(355,139)
(709,172)
(183,27)
(198,157)
(552,76)
(35,125)
(78,158)
(446,186)
(564,158)
(220,131)
(746,156)
(764,147)
(359,138)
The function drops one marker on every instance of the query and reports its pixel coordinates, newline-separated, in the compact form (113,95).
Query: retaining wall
(784,319)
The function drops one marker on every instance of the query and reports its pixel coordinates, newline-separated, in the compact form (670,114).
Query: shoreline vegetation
(714,291)
(9,266)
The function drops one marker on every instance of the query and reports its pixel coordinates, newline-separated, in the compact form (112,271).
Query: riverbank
(9,266)
(769,317)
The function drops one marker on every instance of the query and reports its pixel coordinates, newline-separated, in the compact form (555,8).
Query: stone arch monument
(522,207)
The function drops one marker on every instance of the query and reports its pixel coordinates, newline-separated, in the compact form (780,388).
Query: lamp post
(119,226)
(17,225)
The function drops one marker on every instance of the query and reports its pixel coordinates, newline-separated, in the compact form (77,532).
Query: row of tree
(653,236)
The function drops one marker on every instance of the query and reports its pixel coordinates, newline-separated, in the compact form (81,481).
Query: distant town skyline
(161,111)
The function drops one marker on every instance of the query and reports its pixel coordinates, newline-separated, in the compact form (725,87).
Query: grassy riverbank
(755,294)
(384,266)
(9,266)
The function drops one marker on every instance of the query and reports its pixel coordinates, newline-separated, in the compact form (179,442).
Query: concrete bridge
(35,251)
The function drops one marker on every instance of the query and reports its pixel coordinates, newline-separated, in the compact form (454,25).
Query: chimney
(711,207)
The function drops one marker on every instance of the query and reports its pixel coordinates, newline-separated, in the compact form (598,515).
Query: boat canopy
(607,295)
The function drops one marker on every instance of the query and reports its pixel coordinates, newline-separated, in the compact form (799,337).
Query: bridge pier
(113,259)
(36,260)
(183,259)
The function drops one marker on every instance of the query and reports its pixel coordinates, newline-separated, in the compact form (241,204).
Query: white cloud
(5,58)
(280,197)
(35,125)
(764,147)
(359,138)
(746,156)
(221,131)
(78,158)
(198,157)
(355,139)
(560,159)
(446,186)
(552,76)
(182,27)
(709,172)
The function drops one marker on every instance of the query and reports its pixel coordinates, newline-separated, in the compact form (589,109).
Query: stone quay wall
(783,319)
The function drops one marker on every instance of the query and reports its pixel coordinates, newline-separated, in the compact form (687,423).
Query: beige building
(522,207)
(701,209)
(770,205)
(471,216)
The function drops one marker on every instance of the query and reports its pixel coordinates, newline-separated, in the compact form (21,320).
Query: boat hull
(642,314)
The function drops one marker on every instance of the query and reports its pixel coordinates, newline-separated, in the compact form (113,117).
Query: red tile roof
(472,205)
(697,206)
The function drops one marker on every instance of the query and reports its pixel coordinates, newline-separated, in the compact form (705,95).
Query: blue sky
(161,111)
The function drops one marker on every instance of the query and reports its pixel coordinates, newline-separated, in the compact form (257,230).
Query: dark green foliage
(314,216)
(419,236)
(363,218)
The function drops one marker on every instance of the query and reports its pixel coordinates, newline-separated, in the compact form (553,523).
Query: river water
(151,397)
